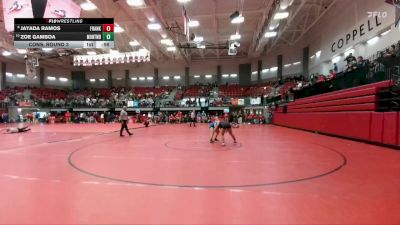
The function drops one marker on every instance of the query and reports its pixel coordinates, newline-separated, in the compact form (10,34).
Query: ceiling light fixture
(281,15)
(6,53)
(233,75)
(134,78)
(235,37)
(47,49)
(51,78)
(134,43)
(135,3)
(273,27)
(238,19)
(193,23)
(154,26)
(171,48)
(114,52)
(270,34)
(143,50)
(88,6)
(373,40)
(118,29)
(167,42)
(63,79)
(20,75)
(165,77)
(386,32)
(183,1)
(336,59)
(8,74)
(22,51)
(198,39)
(225,75)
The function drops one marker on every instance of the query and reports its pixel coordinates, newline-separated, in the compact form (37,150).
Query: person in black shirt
(224,126)
(350,58)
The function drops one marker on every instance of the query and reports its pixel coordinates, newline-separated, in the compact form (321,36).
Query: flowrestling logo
(377,14)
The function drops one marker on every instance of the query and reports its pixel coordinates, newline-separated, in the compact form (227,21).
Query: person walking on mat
(123,116)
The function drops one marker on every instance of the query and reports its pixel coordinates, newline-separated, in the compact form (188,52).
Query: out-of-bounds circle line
(170,185)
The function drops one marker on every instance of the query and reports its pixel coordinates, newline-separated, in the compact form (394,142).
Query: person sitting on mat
(19,129)
(225,126)
(124,122)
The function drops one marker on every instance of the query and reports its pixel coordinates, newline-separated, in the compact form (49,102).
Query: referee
(123,116)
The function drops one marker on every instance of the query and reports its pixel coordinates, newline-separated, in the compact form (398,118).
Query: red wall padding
(376,127)
(369,126)
(390,128)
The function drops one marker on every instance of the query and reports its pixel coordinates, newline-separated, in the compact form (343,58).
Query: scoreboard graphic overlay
(64,33)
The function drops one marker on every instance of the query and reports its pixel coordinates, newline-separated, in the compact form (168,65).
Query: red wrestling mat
(171,174)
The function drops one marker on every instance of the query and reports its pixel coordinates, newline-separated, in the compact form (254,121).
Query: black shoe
(121,135)
(130,134)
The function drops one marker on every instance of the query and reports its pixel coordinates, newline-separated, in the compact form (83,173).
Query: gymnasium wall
(342,18)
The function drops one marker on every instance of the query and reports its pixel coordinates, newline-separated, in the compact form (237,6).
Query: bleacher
(234,91)
(149,90)
(192,91)
(48,93)
(347,113)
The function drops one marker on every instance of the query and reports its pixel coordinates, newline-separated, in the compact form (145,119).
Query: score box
(108,36)
(108,27)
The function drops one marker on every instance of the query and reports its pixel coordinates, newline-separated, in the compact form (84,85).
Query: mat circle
(339,166)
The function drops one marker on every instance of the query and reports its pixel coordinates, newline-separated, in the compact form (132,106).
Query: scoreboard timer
(64,33)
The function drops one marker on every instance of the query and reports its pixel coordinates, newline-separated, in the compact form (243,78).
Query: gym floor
(171,174)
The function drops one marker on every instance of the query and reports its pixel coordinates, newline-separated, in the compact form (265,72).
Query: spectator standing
(193,118)
(68,117)
(335,68)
